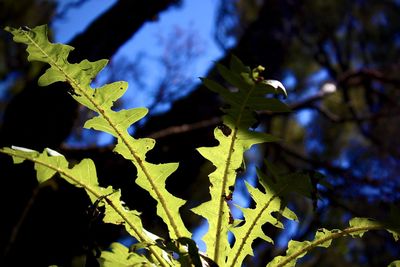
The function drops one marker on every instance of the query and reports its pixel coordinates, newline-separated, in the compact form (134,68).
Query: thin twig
(185,128)
(21,220)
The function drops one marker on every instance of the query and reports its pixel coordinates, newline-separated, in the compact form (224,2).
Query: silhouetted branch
(179,129)
(185,128)
(336,119)
(328,166)
(354,77)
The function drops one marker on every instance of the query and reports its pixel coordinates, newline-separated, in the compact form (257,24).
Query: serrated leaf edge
(103,113)
(350,231)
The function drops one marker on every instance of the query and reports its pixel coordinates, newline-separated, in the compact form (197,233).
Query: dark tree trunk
(53,229)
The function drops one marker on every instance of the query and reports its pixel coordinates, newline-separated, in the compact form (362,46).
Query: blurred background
(339,61)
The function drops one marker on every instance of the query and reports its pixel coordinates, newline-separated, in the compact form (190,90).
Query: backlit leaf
(234,139)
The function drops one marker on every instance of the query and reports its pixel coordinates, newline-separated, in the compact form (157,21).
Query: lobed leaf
(324,237)
(266,204)
(297,250)
(234,138)
(277,187)
(151,177)
(83,175)
(368,223)
(284,184)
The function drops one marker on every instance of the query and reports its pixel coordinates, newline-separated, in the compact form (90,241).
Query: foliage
(248,92)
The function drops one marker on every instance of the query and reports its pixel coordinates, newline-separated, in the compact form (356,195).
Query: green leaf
(367,223)
(83,175)
(237,66)
(284,184)
(266,204)
(323,238)
(234,78)
(123,119)
(234,138)
(270,104)
(106,95)
(151,177)
(363,222)
(297,250)
(394,264)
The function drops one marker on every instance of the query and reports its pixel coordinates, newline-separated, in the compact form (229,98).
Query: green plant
(250,93)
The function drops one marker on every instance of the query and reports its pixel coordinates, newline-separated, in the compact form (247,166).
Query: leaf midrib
(322,240)
(254,222)
(225,176)
(103,113)
(250,229)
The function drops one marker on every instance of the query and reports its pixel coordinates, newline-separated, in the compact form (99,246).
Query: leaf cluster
(246,93)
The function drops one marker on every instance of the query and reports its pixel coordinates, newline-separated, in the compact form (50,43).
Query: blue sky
(196,16)
(192,17)
(77,19)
